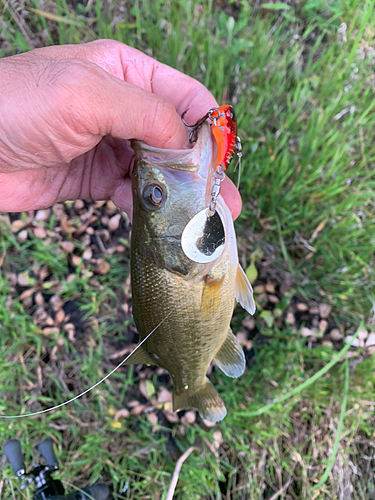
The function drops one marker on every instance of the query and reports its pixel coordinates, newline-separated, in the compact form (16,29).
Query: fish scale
(192,303)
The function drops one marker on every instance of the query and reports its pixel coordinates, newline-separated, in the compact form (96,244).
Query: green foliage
(304,98)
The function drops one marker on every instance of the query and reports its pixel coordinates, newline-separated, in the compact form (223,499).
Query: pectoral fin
(231,359)
(140,356)
(244,291)
(206,400)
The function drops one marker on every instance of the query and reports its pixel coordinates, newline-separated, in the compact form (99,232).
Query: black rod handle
(46,450)
(12,450)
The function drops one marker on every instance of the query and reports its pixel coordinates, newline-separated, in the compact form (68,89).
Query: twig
(281,490)
(176,472)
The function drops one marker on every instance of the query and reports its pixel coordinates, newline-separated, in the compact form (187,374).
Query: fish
(189,305)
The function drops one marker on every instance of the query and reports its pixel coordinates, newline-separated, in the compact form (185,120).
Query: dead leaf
(270,287)
(164,395)
(42,215)
(153,418)
(306,332)
(302,307)
(60,316)
(79,204)
(102,267)
(137,410)
(17,225)
(171,416)
(189,417)
(114,222)
(243,340)
(324,310)
(40,233)
(218,439)
(24,279)
(26,294)
(123,413)
(22,235)
(68,246)
(50,330)
(259,289)
(39,299)
(76,260)
(87,254)
(248,323)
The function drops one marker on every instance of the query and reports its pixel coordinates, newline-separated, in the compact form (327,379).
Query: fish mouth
(202,153)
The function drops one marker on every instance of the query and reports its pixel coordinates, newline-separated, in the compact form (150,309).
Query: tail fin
(206,399)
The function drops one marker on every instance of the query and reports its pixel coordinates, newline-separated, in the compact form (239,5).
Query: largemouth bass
(192,302)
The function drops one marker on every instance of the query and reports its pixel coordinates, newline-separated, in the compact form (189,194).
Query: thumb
(109,106)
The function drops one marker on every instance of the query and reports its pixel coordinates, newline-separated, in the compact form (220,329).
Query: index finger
(143,71)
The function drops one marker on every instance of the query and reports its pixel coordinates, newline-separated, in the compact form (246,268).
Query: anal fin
(206,399)
(230,358)
(140,356)
(243,291)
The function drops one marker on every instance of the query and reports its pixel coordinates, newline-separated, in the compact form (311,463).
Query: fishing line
(95,385)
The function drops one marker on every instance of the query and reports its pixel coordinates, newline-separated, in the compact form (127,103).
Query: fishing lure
(224,130)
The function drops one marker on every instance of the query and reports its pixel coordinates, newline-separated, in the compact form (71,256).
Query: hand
(65,115)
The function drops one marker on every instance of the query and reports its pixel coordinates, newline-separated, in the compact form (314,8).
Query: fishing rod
(46,487)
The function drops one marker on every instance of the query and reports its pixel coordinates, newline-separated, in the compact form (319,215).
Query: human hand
(66,113)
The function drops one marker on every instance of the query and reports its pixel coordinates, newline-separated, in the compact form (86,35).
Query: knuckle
(161,119)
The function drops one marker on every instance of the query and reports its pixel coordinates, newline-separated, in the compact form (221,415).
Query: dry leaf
(39,299)
(302,307)
(26,294)
(60,316)
(164,395)
(24,279)
(43,215)
(335,334)
(324,310)
(306,332)
(171,416)
(273,299)
(68,246)
(114,222)
(323,325)
(153,418)
(123,413)
(290,319)
(243,340)
(218,439)
(248,323)
(50,330)
(40,232)
(17,225)
(87,254)
(79,204)
(22,235)
(137,410)
(56,302)
(102,267)
(270,287)
(76,260)
(189,417)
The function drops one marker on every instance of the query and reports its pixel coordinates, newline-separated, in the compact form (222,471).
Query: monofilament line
(95,385)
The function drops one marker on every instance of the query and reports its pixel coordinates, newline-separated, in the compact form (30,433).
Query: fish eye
(154,196)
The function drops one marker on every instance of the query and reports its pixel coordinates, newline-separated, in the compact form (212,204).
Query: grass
(304,98)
